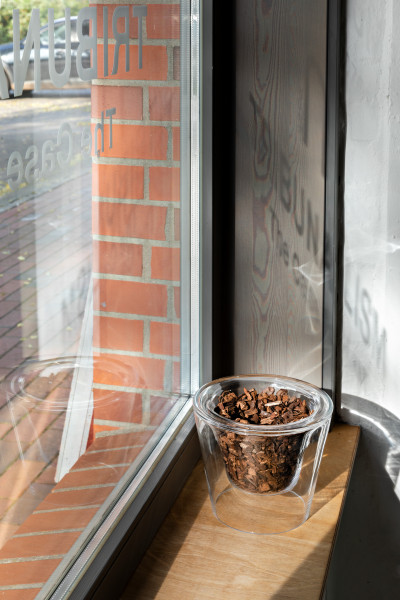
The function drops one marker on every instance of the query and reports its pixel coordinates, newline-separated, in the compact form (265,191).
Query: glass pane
(93,117)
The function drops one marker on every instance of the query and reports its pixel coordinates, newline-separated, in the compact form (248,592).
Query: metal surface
(333,207)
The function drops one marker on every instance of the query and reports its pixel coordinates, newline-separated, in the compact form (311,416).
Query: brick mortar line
(65,508)
(138,123)
(84,487)
(171,302)
(145,103)
(21,586)
(136,162)
(146,260)
(135,279)
(159,393)
(124,430)
(134,317)
(48,532)
(146,184)
(153,42)
(137,354)
(6,561)
(170,145)
(123,426)
(139,83)
(135,390)
(129,240)
(146,335)
(134,202)
(99,467)
(116,432)
(170,224)
(131,2)
(119,448)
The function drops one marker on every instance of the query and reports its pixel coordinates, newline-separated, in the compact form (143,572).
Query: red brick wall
(136,186)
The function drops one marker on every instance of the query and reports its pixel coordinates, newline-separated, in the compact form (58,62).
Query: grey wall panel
(366,560)
(279,215)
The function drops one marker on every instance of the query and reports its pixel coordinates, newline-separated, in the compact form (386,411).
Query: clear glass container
(281,462)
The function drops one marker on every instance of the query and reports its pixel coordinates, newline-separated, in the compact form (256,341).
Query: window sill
(195,556)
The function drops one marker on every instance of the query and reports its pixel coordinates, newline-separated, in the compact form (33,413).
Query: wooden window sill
(194,556)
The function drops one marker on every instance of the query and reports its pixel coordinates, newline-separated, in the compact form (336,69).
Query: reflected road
(29,128)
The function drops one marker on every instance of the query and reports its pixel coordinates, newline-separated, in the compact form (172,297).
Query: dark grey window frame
(334,209)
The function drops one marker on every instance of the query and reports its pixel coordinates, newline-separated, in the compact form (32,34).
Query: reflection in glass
(90,253)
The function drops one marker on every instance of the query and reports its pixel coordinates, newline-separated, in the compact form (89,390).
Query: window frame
(334,208)
(137,516)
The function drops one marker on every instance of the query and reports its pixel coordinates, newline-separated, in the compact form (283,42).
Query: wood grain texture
(279,188)
(195,557)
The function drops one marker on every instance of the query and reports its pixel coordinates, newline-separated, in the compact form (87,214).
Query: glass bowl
(261,478)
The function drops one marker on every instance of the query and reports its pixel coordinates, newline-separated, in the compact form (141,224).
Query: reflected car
(8,47)
(7,57)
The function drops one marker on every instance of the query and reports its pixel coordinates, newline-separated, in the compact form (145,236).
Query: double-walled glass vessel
(287,456)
